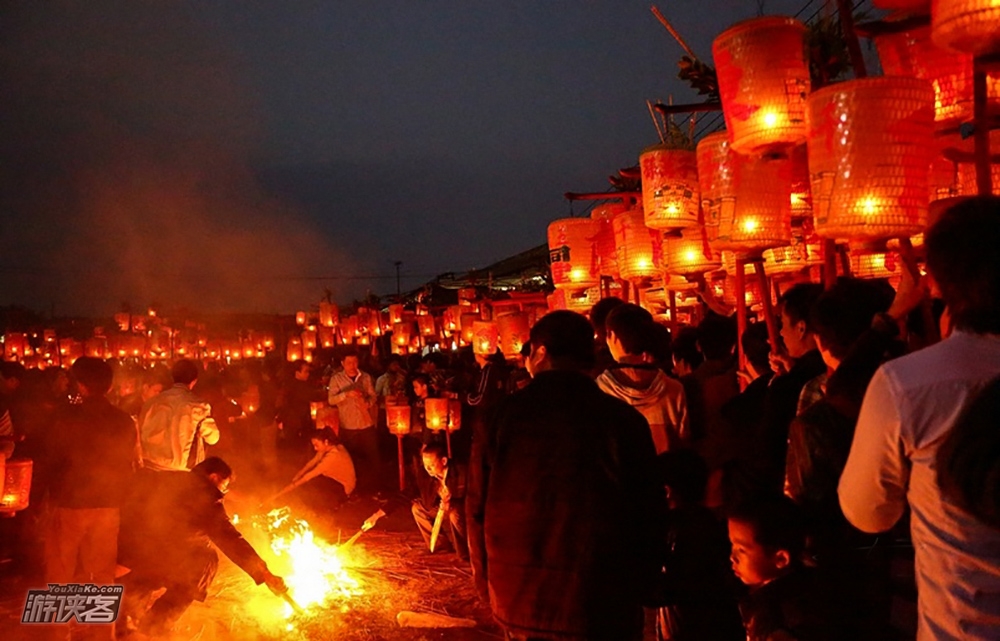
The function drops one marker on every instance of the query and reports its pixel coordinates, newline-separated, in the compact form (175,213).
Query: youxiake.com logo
(84,603)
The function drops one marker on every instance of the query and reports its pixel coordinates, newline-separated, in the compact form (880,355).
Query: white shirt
(910,407)
(335,464)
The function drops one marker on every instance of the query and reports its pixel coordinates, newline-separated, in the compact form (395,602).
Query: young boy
(786,600)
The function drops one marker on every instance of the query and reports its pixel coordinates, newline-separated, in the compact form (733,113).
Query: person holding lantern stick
(448,481)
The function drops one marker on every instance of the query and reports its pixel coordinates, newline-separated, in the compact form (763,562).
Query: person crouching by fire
(170,522)
(448,507)
(328,478)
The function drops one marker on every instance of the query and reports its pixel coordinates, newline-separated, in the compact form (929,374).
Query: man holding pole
(448,488)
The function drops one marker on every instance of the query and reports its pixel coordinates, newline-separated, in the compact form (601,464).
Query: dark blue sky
(232,155)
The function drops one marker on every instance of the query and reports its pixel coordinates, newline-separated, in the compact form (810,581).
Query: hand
(354,393)
(780,363)
(743,375)
(444,493)
(908,296)
(275,583)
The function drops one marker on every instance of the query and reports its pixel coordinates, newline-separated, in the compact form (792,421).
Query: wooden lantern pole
(741,313)
(829,262)
(984,179)
(765,289)
(402,468)
(672,298)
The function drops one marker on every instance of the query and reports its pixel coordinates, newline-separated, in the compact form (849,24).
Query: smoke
(128,139)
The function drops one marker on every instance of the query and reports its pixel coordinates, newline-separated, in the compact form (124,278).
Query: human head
(561,340)
(302,371)
(629,331)
(757,349)
(968,462)
(184,372)
(716,337)
(153,382)
(843,313)
(421,386)
(768,538)
(796,305)
(324,440)
(217,471)
(350,363)
(435,459)
(93,375)
(686,355)
(685,475)
(963,260)
(394,364)
(11,375)
(599,316)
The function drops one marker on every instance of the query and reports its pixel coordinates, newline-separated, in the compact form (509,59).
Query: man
(175,426)
(93,451)
(565,508)
(911,408)
(170,521)
(637,381)
(448,484)
(152,384)
(295,423)
(352,392)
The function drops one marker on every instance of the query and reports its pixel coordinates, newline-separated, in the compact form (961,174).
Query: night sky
(243,156)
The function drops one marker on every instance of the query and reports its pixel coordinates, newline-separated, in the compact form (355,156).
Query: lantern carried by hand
(761,215)
(514,332)
(485,338)
(639,247)
(688,252)
(763,82)
(669,187)
(572,253)
(436,413)
(870,148)
(718,173)
(16,485)
(969,26)
(604,243)
(398,422)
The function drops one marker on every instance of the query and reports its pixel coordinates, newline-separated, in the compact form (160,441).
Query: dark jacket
(170,518)
(93,450)
(697,589)
(780,405)
(565,511)
(796,607)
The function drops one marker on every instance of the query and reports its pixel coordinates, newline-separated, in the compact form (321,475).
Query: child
(786,600)
(696,591)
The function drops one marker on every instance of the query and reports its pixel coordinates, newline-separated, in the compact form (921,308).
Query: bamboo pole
(765,290)
(741,313)
(984,178)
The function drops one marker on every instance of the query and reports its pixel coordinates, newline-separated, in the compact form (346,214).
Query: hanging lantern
(718,172)
(870,174)
(969,26)
(604,243)
(912,54)
(761,215)
(870,263)
(514,332)
(397,418)
(688,252)
(16,485)
(806,250)
(572,253)
(436,413)
(763,79)
(669,187)
(639,247)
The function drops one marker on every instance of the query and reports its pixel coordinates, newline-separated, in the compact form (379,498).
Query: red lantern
(485,338)
(718,172)
(293,351)
(761,215)
(397,419)
(16,485)
(870,175)
(801,200)
(875,263)
(426,325)
(395,314)
(669,187)
(514,332)
(639,247)
(468,328)
(912,53)
(969,26)
(572,253)
(763,82)
(402,333)
(688,252)
(436,413)
(802,253)
(329,315)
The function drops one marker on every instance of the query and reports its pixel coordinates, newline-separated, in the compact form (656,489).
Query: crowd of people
(611,472)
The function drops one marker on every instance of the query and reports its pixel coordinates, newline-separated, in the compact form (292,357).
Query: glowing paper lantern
(451,320)
(572,253)
(468,322)
(669,187)
(761,215)
(402,333)
(870,174)
(639,247)
(395,314)
(801,198)
(329,315)
(969,26)
(300,318)
(803,252)
(16,485)
(579,302)
(436,413)
(426,325)
(348,330)
(869,264)
(485,338)
(718,173)
(293,351)
(689,253)
(912,53)
(763,82)
(309,339)
(604,243)
(397,418)
(967,171)
(514,332)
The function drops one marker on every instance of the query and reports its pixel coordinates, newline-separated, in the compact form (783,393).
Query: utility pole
(399,292)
